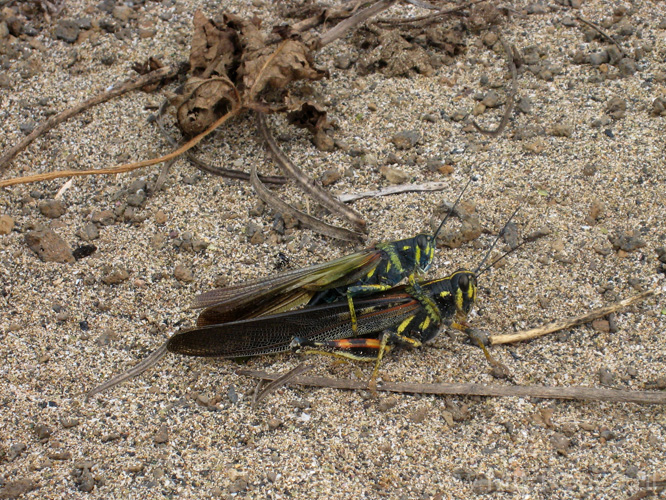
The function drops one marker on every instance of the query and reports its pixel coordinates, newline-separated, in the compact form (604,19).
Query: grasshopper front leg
(360,290)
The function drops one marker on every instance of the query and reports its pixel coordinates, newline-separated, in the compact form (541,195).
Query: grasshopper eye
(463,282)
(422,241)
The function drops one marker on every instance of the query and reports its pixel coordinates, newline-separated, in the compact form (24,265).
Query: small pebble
(183,273)
(67,30)
(104,218)
(659,106)
(561,130)
(15,451)
(83,251)
(114,275)
(561,443)
(17,488)
(606,377)
(525,105)
(626,241)
(52,208)
(601,325)
(419,415)
(160,217)
(394,175)
(537,146)
(330,176)
(589,170)
(387,403)
(406,139)
(491,100)
(43,431)
(88,232)
(60,455)
(617,107)
(162,435)
(483,486)
(342,61)
(6,224)
(68,423)
(323,141)
(48,246)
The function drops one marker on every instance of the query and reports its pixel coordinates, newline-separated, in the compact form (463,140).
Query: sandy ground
(186,429)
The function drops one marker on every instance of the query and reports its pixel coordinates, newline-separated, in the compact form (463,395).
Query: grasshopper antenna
(476,272)
(453,207)
(500,258)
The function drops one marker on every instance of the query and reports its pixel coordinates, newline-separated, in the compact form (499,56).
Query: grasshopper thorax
(424,251)
(463,290)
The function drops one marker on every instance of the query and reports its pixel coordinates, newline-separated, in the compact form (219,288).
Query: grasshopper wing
(274,333)
(283,291)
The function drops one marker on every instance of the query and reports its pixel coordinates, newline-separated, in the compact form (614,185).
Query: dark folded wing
(283,291)
(274,333)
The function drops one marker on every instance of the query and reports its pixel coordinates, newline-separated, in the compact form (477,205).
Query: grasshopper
(374,269)
(396,316)
(409,314)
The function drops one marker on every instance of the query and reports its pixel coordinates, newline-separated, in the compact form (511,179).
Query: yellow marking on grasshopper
(459,299)
(403,326)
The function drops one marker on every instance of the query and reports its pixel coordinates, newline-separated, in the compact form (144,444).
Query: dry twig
(576,393)
(202,165)
(602,33)
(261,393)
(556,326)
(428,18)
(127,167)
(126,86)
(511,95)
(306,184)
(141,367)
(401,188)
(360,17)
(307,220)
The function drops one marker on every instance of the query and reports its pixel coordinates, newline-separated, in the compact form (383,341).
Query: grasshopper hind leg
(338,348)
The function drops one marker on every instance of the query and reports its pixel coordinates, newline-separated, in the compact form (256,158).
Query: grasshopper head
(424,251)
(463,285)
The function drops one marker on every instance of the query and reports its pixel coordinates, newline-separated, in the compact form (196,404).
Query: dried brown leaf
(150,64)
(308,115)
(215,50)
(202,102)
(395,56)
(277,67)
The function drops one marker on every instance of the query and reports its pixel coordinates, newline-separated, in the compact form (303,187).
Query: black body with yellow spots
(407,314)
(372,270)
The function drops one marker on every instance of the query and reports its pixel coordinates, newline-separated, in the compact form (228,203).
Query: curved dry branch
(603,33)
(511,95)
(260,392)
(556,326)
(141,367)
(428,18)
(400,188)
(306,184)
(307,220)
(340,29)
(202,165)
(126,86)
(129,166)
